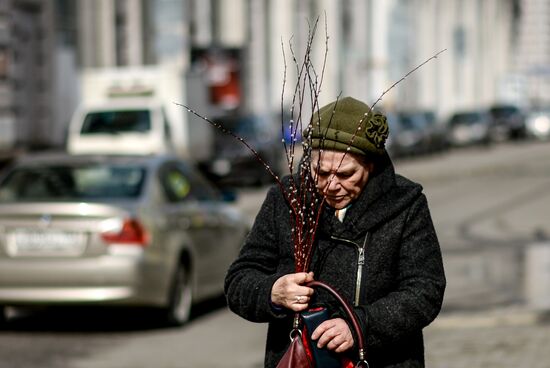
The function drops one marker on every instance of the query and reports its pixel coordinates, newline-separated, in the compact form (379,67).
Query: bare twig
(405,76)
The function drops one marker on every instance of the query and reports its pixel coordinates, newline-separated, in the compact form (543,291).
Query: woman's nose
(333,184)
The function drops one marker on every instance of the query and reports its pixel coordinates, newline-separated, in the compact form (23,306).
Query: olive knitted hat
(349,125)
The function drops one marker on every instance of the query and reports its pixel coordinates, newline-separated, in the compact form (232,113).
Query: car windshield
(465,119)
(113,122)
(411,122)
(544,111)
(246,126)
(503,111)
(72,182)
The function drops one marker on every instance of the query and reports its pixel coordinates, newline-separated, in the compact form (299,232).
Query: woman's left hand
(334,334)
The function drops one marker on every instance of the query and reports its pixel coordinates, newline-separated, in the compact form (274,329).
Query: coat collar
(385,195)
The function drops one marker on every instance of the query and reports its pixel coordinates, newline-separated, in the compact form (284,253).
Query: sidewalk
(509,337)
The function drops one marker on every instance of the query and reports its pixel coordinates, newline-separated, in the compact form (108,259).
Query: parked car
(537,123)
(399,143)
(436,132)
(233,164)
(392,145)
(106,230)
(469,128)
(410,136)
(507,122)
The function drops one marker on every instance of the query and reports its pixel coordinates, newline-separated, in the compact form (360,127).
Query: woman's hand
(288,291)
(334,334)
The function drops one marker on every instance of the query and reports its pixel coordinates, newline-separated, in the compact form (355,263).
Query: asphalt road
(489,206)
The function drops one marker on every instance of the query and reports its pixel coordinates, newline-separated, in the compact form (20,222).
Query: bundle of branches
(303,197)
(301,194)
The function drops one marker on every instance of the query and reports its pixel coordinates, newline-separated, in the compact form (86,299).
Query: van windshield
(113,122)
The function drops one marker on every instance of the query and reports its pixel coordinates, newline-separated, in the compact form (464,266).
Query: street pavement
(498,338)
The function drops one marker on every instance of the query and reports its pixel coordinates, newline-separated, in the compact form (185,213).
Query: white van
(125,126)
(136,110)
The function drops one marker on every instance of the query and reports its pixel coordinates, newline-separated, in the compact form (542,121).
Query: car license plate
(24,242)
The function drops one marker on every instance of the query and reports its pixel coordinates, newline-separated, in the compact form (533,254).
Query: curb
(490,318)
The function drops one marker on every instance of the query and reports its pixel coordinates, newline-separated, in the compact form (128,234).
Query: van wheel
(178,311)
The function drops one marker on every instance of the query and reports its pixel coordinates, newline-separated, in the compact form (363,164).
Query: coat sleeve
(251,276)
(417,298)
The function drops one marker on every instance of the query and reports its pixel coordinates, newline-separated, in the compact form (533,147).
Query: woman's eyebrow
(345,168)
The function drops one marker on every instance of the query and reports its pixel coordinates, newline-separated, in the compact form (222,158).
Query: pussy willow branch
(289,150)
(240,139)
(371,112)
(306,203)
(406,75)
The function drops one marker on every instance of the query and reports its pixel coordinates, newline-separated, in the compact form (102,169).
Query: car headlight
(540,124)
(221,167)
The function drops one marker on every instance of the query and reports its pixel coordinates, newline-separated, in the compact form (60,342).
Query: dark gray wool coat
(402,279)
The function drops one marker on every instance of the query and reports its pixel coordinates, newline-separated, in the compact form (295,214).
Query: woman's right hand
(289,291)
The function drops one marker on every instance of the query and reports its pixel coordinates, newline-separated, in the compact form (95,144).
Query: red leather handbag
(299,353)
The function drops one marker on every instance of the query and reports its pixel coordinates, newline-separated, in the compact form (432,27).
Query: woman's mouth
(335,198)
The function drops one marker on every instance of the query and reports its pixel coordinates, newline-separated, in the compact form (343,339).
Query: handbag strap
(352,317)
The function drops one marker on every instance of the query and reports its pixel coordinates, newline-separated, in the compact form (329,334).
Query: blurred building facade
(37,72)
(26,36)
(371,44)
(489,46)
(533,54)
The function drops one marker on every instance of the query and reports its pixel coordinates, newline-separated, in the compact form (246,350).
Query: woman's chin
(338,204)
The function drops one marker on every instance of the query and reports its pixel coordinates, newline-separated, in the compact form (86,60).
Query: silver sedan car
(132,231)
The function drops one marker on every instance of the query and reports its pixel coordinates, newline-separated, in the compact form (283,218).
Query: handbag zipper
(360,264)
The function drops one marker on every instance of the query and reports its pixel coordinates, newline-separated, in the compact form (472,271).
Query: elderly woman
(376,245)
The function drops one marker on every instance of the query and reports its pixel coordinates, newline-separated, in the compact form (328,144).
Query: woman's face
(339,176)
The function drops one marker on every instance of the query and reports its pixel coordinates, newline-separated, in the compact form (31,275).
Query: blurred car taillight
(128,231)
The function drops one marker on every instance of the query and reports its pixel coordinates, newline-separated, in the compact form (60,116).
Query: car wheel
(3,316)
(178,310)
